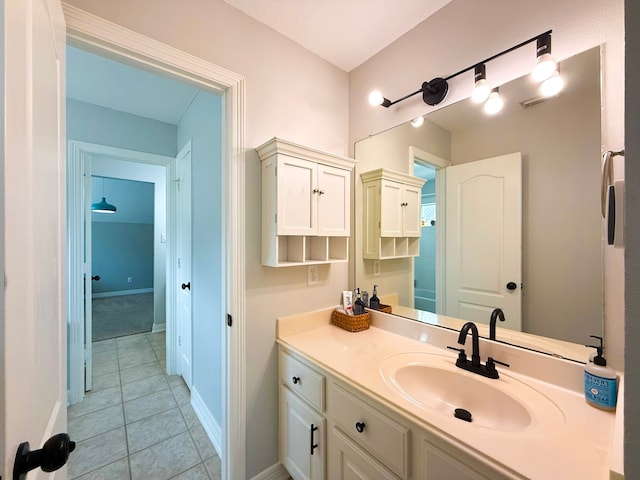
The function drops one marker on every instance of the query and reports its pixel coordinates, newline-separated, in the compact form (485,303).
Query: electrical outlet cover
(312,274)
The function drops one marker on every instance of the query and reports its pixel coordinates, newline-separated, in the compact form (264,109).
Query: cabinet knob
(360,427)
(320,192)
(295,380)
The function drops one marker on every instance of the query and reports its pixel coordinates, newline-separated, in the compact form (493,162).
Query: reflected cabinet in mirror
(509,214)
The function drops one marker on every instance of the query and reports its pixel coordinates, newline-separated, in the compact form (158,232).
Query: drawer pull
(296,380)
(360,427)
(313,445)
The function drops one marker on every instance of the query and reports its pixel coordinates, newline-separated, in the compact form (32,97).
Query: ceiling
(344,32)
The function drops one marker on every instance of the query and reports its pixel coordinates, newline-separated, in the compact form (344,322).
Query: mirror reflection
(509,214)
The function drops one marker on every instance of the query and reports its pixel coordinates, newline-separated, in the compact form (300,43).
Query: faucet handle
(462,355)
(491,363)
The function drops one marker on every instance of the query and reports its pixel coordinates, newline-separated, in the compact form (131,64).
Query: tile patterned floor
(137,422)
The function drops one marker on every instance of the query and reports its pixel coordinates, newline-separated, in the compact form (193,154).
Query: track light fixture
(494,103)
(435,91)
(481,90)
(417,122)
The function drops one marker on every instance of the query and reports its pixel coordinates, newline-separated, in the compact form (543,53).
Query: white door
(412,197)
(297,199)
(334,201)
(183,246)
(391,205)
(33,298)
(484,239)
(88,280)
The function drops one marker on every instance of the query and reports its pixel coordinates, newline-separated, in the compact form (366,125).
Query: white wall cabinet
(358,437)
(306,205)
(391,214)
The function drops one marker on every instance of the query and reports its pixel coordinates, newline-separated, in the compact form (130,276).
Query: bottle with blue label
(600,381)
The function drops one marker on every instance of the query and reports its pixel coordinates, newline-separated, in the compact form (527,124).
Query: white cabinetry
(306,205)
(355,437)
(391,214)
(302,424)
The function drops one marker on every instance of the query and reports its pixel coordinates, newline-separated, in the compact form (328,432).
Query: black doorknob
(360,427)
(96,278)
(52,456)
(186,285)
(512,286)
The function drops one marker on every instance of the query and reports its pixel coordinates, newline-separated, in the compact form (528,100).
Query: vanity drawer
(382,437)
(303,380)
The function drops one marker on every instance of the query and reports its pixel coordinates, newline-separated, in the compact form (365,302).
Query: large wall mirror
(554,294)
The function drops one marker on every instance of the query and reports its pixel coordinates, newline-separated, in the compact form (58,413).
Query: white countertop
(578,447)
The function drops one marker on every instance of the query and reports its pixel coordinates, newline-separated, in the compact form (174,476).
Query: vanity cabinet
(354,436)
(391,214)
(302,423)
(306,205)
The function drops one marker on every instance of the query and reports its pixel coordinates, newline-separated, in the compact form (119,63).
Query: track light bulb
(494,103)
(480,92)
(376,98)
(544,68)
(417,122)
(552,85)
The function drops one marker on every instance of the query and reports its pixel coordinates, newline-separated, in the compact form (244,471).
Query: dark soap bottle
(358,305)
(374,301)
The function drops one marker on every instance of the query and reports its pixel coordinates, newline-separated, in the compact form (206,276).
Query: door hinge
(229,320)
(276,218)
(179,341)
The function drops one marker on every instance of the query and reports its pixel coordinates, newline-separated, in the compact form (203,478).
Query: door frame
(440,164)
(97,35)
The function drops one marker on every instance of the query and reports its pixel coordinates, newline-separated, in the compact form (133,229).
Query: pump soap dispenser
(600,381)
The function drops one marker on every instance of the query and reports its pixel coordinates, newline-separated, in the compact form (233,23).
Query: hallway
(137,422)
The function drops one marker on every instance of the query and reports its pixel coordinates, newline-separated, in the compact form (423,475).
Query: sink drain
(462,414)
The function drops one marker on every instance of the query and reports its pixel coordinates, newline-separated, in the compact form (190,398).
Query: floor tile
(130,351)
(104,346)
(214,468)
(102,382)
(92,424)
(97,452)
(181,393)
(114,471)
(102,367)
(148,405)
(95,401)
(199,472)
(154,429)
(203,444)
(104,356)
(143,387)
(154,463)
(190,417)
(138,359)
(129,375)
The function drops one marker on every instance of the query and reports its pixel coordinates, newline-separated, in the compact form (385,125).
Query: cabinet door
(412,197)
(296,200)
(347,461)
(334,201)
(391,209)
(439,464)
(302,438)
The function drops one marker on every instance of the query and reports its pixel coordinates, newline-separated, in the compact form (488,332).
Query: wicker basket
(351,323)
(385,308)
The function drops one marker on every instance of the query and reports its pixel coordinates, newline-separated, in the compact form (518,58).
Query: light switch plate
(312,274)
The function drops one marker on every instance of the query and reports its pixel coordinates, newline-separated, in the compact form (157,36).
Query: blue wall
(425,264)
(121,250)
(104,126)
(122,242)
(202,124)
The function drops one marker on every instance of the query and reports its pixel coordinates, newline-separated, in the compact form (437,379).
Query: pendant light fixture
(102,206)
(481,90)
(545,65)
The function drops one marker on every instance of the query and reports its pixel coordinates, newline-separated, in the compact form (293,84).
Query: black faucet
(497,313)
(475,365)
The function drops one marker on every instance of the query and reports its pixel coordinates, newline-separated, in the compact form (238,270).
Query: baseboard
(275,472)
(211,427)
(122,292)
(159,327)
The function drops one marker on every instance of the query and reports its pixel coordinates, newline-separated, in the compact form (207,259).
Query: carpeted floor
(122,315)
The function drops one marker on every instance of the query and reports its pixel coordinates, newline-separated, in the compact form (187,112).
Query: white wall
(292,94)
(455,40)
(632,261)
(202,124)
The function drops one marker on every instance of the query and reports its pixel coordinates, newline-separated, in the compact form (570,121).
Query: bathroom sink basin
(434,383)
